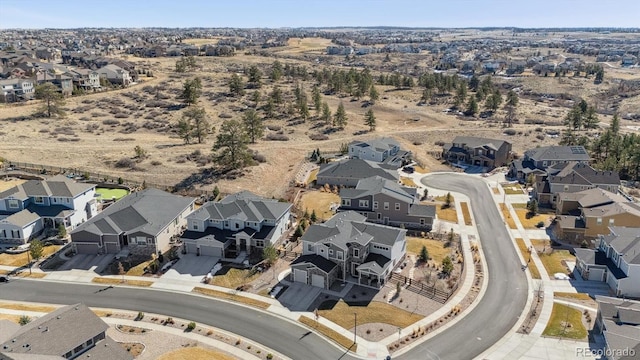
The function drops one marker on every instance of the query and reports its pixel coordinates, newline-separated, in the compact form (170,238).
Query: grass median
(335,336)
(114,281)
(232,297)
(565,322)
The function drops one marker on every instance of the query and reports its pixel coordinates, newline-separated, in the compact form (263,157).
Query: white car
(561,276)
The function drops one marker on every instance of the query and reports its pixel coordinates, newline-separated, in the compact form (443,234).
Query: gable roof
(625,241)
(621,318)
(582,174)
(244,206)
(474,142)
(318,261)
(21,218)
(60,332)
(349,227)
(558,153)
(378,185)
(592,197)
(355,169)
(148,211)
(58,186)
(379,144)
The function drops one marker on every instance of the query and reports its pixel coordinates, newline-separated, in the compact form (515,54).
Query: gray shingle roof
(377,185)
(558,153)
(318,261)
(474,142)
(244,206)
(57,332)
(621,320)
(59,186)
(22,218)
(625,241)
(355,169)
(582,174)
(148,211)
(351,227)
(380,144)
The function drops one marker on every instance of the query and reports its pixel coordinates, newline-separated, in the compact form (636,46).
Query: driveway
(96,263)
(191,268)
(299,296)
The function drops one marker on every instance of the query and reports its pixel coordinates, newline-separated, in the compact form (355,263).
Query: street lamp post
(29,259)
(355,327)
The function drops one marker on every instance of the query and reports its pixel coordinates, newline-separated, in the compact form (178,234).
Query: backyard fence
(423,289)
(90,176)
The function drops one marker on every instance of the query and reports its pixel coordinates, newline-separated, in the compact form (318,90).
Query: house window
(421,221)
(611,222)
(599,221)
(346,202)
(67,200)
(237,225)
(194,225)
(339,255)
(566,188)
(356,252)
(68,355)
(140,240)
(375,205)
(90,342)
(55,200)
(397,206)
(260,243)
(386,205)
(330,252)
(363,203)
(13,204)
(309,247)
(379,216)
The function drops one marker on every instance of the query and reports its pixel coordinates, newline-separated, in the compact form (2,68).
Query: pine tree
(472,106)
(326,113)
(447,266)
(370,120)
(317,99)
(340,117)
(236,86)
(373,94)
(424,254)
(52,99)
(231,145)
(253,125)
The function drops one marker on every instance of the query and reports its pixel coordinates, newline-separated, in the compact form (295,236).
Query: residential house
(142,223)
(85,79)
(618,320)
(26,210)
(349,172)
(70,332)
(588,213)
(348,248)
(17,89)
(49,54)
(115,75)
(629,60)
(63,82)
(488,153)
(616,261)
(243,221)
(572,177)
(386,202)
(383,150)
(516,67)
(536,161)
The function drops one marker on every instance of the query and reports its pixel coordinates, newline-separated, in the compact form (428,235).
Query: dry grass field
(535,273)
(105,127)
(319,202)
(507,216)
(465,213)
(196,353)
(343,341)
(375,312)
(18,260)
(9,183)
(436,248)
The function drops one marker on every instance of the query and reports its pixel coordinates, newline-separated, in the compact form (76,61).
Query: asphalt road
(506,293)
(283,336)
(496,313)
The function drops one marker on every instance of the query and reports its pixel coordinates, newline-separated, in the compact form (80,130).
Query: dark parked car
(4,279)
(408,169)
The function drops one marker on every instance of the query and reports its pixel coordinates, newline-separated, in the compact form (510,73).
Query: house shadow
(193,265)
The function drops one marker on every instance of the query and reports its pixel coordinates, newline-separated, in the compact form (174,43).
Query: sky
(318,13)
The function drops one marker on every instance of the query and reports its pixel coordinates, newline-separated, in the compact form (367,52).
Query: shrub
(140,316)
(156,163)
(277,137)
(318,137)
(111,122)
(124,163)
(273,127)
(540,224)
(24,320)
(510,132)
(191,326)
(540,137)
(259,158)
(269,356)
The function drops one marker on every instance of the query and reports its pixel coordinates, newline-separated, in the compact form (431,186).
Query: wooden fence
(423,289)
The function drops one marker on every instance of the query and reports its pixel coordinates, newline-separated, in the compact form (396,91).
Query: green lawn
(565,322)
(108,194)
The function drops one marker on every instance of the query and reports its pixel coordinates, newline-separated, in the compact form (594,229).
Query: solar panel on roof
(577,150)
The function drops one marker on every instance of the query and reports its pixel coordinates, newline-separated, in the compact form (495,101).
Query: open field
(436,248)
(345,342)
(105,127)
(407,181)
(565,322)
(19,260)
(196,353)
(533,269)
(319,202)
(232,297)
(530,222)
(12,318)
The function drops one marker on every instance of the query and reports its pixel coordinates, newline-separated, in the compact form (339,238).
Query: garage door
(210,251)
(87,248)
(300,276)
(317,280)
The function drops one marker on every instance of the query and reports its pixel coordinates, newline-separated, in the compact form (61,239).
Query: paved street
(506,294)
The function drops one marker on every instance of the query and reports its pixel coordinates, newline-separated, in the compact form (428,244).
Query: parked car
(4,279)
(408,169)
